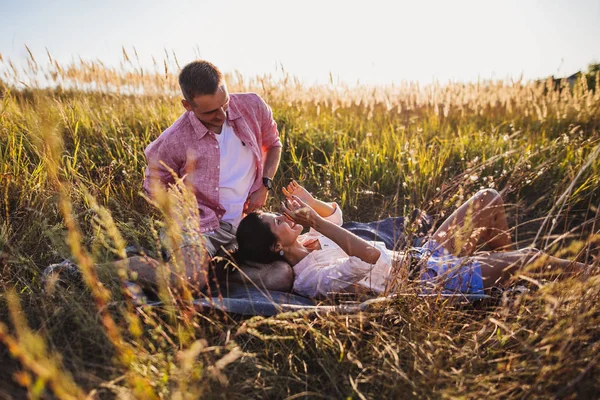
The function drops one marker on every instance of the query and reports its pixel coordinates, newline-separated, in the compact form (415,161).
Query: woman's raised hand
(300,212)
(295,189)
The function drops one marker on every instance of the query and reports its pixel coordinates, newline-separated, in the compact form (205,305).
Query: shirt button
(217,189)
(217,146)
(218,166)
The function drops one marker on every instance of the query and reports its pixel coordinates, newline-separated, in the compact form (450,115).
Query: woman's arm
(295,189)
(352,245)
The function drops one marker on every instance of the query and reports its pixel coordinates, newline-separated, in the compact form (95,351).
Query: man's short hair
(199,78)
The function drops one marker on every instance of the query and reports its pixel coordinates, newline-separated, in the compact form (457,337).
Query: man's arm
(160,169)
(270,164)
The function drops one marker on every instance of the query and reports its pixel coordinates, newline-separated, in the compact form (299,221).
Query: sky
(368,41)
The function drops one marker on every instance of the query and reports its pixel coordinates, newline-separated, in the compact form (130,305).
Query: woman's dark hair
(255,240)
(199,78)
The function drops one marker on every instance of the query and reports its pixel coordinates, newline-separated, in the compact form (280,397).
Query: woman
(331,259)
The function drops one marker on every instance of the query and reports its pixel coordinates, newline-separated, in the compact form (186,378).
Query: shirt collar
(198,126)
(233,112)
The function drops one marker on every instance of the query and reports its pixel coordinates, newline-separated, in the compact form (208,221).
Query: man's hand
(256,200)
(295,189)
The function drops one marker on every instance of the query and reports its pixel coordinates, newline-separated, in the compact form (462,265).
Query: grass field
(71,151)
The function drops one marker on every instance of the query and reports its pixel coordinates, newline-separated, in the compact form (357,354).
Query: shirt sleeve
(160,165)
(319,281)
(268,127)
(336,218)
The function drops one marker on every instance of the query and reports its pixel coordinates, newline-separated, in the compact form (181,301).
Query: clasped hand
(299,205)
(300,212)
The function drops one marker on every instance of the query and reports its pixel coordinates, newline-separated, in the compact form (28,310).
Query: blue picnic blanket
(392,232)
(244,300)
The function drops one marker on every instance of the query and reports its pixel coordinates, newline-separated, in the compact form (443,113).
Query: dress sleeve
(319,281)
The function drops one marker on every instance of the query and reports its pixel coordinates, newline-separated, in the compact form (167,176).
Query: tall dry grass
(71,150)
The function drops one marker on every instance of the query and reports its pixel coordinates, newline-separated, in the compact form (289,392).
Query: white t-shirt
(237,171)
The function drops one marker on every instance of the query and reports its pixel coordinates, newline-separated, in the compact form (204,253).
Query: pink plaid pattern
(192,151)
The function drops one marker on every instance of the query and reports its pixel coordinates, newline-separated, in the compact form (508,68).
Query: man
(226,148)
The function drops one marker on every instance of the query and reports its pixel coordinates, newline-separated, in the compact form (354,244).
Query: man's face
(210,109)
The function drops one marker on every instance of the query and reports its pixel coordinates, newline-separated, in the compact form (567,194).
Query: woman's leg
(498,268)
(480,220)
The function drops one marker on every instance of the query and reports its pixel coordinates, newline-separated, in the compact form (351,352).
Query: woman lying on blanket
(331,259)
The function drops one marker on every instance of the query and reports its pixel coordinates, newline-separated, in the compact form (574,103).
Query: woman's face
(285,230)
